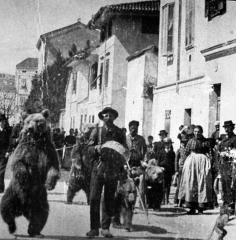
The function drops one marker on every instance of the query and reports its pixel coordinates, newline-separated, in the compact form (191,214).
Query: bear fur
(154,179)
(127,193)
(35,169)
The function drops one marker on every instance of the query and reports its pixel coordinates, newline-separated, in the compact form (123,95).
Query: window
(101,77)
(22,101)
(85,118)
(189,23)
(74,82)
(167,120)
(187,116)
(150,25)
(93,119)
(81,121)
(23,84)
(93,79)
(217,90)
(106,72)
(167,31)
(214,8)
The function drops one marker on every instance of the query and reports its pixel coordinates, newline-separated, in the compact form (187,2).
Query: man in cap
(136,144)
(99,178)
(225,166)
(5,132)
(216,134)
(160,145)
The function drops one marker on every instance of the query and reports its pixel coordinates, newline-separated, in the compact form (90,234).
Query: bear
(125,199)
(154,180)
(80,173)
(35,169)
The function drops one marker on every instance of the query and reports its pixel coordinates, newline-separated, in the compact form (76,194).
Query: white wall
(134,90)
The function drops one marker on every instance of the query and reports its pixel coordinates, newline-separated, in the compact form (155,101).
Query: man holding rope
(100,176)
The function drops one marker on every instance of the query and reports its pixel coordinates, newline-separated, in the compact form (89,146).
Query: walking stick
(139,195)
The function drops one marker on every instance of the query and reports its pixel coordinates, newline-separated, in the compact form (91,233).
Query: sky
(23,21)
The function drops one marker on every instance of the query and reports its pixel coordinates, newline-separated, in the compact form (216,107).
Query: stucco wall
(134,90)
(193,65)
(193,95)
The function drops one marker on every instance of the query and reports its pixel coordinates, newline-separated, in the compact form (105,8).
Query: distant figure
(150,149)
(5,132)
(166,160)
(216,133)
(159,146)
(76,132)
(69,142)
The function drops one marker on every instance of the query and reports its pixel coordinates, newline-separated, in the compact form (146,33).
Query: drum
(114,156)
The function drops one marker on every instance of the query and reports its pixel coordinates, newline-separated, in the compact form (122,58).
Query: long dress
(196,181)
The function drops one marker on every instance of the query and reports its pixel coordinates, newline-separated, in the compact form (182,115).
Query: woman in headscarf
(196,181)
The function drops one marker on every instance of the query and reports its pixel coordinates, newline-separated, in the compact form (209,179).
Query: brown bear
(35,169)
(154,177)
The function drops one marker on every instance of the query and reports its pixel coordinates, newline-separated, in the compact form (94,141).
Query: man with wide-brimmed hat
(159,146)
(100,177)
(225,166)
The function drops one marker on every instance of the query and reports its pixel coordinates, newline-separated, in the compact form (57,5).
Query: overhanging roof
(134,8)
(151,48)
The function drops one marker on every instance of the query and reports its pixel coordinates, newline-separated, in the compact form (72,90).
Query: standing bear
(35,169)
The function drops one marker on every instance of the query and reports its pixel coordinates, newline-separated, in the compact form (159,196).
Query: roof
(29,63)
(144,7)
(59,31)
(151,48)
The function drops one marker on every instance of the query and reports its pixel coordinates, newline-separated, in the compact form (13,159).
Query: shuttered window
(189,23)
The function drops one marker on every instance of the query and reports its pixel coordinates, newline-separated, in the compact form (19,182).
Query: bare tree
(7,102)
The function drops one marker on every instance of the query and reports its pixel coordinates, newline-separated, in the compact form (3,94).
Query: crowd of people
(202,168)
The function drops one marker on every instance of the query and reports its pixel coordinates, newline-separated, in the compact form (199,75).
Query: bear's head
(35,125)
(154,174)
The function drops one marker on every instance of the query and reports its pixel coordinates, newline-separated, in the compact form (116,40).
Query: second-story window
(101,77)
(93,78)
(74,82)
(214,8)
(106,72)
(167,29)
(189,23)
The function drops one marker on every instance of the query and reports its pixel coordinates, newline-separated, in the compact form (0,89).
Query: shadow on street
(21,237)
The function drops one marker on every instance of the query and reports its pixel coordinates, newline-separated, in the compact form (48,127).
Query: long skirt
(196,181)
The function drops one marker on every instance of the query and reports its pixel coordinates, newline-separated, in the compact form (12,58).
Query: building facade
(195,65)
(61,40)
(25,72)
(124,29)
(141,78)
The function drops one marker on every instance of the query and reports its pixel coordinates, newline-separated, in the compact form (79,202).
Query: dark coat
(167,161)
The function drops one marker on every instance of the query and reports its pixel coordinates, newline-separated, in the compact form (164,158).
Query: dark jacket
(158,147)
(5,139)
(167,161)
(138,149)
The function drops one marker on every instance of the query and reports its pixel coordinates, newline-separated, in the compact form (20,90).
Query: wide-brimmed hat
(134,122)
(163,132)
(106,110)
(167,140)
(228,123)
